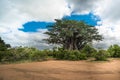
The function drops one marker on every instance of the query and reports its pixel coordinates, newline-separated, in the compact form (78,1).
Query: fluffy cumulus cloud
(108,9)
(15,13)
(110,19)
(31,39)
(82,6)
(42,10)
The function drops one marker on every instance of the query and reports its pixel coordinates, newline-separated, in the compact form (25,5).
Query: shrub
(82,56)
(77,55)
(73,55)
(6,56)
(48,52)
(89,51)
(1,55)
(38,55)
(3,45)
(21,54)
(114,51)
(70,55)
(102,55)
(61,54)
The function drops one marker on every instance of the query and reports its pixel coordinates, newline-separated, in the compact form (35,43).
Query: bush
(38,55)
(77,55)
(1,55)
(102,55)
(89,51)
(70,55)
(82,56)
(48,52)
(21,54)
(6,56)
(114,51)
(60,54)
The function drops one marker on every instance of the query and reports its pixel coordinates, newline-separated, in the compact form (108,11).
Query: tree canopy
(72,35)
(3,45)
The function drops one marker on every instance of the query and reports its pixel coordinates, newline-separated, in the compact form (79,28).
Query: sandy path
(62,70)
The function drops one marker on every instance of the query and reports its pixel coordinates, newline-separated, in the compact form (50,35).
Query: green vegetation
(32,54)
(69,55)
(72,35)
(102,55)
(75,38)
(22,54)
(3,46)
(114,51)
(89,51)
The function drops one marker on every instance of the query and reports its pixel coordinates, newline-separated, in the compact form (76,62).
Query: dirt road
(62,70)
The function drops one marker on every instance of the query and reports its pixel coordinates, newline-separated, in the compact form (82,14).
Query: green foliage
(21,54)
(89,51)
(38,55)
(3,45)
(4,53)
(72,35)
(102,55)
(47,52)
(6,56)
(33,54)
(76,55)
(114,51)
(59,54)
(69,55)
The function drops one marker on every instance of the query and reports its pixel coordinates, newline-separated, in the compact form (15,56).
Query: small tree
(3,46)
(3,50)
(102,55)
(114,50)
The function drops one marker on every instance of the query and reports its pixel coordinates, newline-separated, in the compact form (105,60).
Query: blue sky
(33,26)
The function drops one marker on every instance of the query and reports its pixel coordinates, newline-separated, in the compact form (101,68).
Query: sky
(23,22)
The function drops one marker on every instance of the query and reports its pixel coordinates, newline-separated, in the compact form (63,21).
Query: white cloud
(108,9)
(109,12)
(82,6)
(14,13)
(42,10)
(19,38)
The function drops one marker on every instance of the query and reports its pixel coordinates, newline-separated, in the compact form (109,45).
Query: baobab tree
(72,35)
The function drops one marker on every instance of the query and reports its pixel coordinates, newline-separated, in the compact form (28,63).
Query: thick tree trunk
(75,45)
(71,44)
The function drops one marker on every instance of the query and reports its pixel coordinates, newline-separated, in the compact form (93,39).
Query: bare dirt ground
(62,70)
